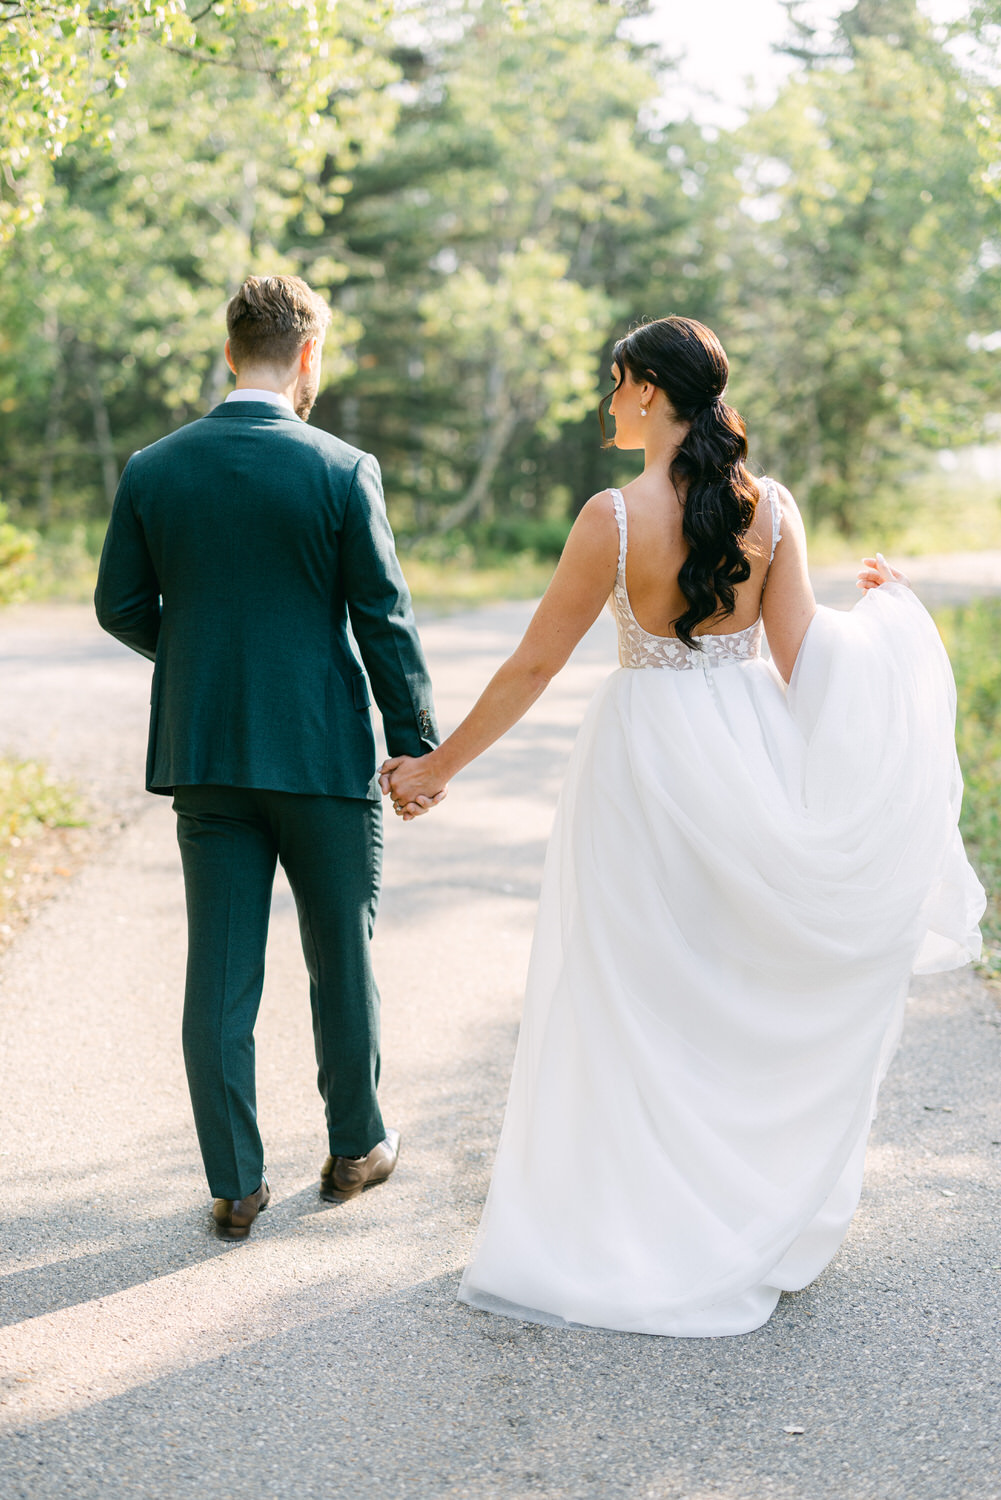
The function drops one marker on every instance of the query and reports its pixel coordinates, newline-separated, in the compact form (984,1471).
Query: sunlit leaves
(863,239)
(64,64)
(483,238)
(114,299)
(537,329)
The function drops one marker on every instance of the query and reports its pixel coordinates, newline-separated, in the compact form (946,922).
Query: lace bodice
(640,648)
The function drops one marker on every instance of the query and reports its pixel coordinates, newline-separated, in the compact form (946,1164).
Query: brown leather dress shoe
(344,1177)
(234,1216)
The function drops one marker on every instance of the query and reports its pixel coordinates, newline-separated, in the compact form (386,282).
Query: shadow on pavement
(887,1363)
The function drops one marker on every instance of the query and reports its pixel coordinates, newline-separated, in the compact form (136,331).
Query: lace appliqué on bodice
(639,648)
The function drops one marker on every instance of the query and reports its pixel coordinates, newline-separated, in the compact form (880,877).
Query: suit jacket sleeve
(378,602)
(127,597)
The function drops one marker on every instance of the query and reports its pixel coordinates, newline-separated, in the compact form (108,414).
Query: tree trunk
(473,502)
(584,253)
(350,417)
(215,386)
(53,432)
(103,442)
(216,383)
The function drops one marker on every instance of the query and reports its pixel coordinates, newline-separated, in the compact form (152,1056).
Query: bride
(749,859)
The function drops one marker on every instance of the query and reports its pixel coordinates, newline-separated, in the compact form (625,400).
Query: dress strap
(620,517)
(776,510)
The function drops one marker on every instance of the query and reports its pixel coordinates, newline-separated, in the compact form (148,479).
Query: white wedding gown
(741,879)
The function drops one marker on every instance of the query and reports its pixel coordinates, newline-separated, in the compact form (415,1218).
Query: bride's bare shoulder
(597,515)
(600,504)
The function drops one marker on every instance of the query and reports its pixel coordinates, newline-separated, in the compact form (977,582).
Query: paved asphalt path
(327,1357)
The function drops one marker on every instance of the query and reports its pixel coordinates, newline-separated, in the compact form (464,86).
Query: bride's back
(657,550)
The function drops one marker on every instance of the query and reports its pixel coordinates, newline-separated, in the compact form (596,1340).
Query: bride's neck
(658,456)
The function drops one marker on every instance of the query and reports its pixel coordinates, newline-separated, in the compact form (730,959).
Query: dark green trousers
(331,851)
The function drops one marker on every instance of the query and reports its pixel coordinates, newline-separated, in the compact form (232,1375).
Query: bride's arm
(584,578)
(788,605)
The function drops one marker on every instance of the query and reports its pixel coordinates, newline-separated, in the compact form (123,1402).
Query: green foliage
(64,563)
(540,537)
(35,848)
(30,799)
(65,64)
(869,242)
(986,19)
(16,549)
(927,512)
(484,192)
(972,636)
(480,241)
(113,302)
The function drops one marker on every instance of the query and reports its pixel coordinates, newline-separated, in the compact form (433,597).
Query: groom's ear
(229,357)
(308,353)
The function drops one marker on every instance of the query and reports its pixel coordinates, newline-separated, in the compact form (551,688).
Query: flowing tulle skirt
(739,883)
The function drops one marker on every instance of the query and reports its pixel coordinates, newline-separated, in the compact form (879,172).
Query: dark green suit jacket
(239,546)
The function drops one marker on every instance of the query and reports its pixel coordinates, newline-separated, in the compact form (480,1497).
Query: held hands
(876,570)
(411,784)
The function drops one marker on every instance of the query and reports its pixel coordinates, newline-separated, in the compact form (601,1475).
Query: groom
(238,550)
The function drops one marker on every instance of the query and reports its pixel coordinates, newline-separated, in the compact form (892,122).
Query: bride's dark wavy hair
(686,361)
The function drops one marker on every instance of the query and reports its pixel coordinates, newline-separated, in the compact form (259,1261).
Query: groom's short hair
(270,319)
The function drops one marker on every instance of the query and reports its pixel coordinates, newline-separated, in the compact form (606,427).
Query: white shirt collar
(248,393)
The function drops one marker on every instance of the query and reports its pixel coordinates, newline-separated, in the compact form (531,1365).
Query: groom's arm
(127,597)
(382,619)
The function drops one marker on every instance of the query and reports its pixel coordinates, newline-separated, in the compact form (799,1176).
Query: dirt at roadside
(35,867)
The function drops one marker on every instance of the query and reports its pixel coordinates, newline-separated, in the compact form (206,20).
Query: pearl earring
(642,411)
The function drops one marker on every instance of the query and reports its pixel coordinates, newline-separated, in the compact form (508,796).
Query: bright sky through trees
(725,43)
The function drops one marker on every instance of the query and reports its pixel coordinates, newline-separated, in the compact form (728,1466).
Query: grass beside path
(62,568)
(972,635)
(443,586)
(42,840)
